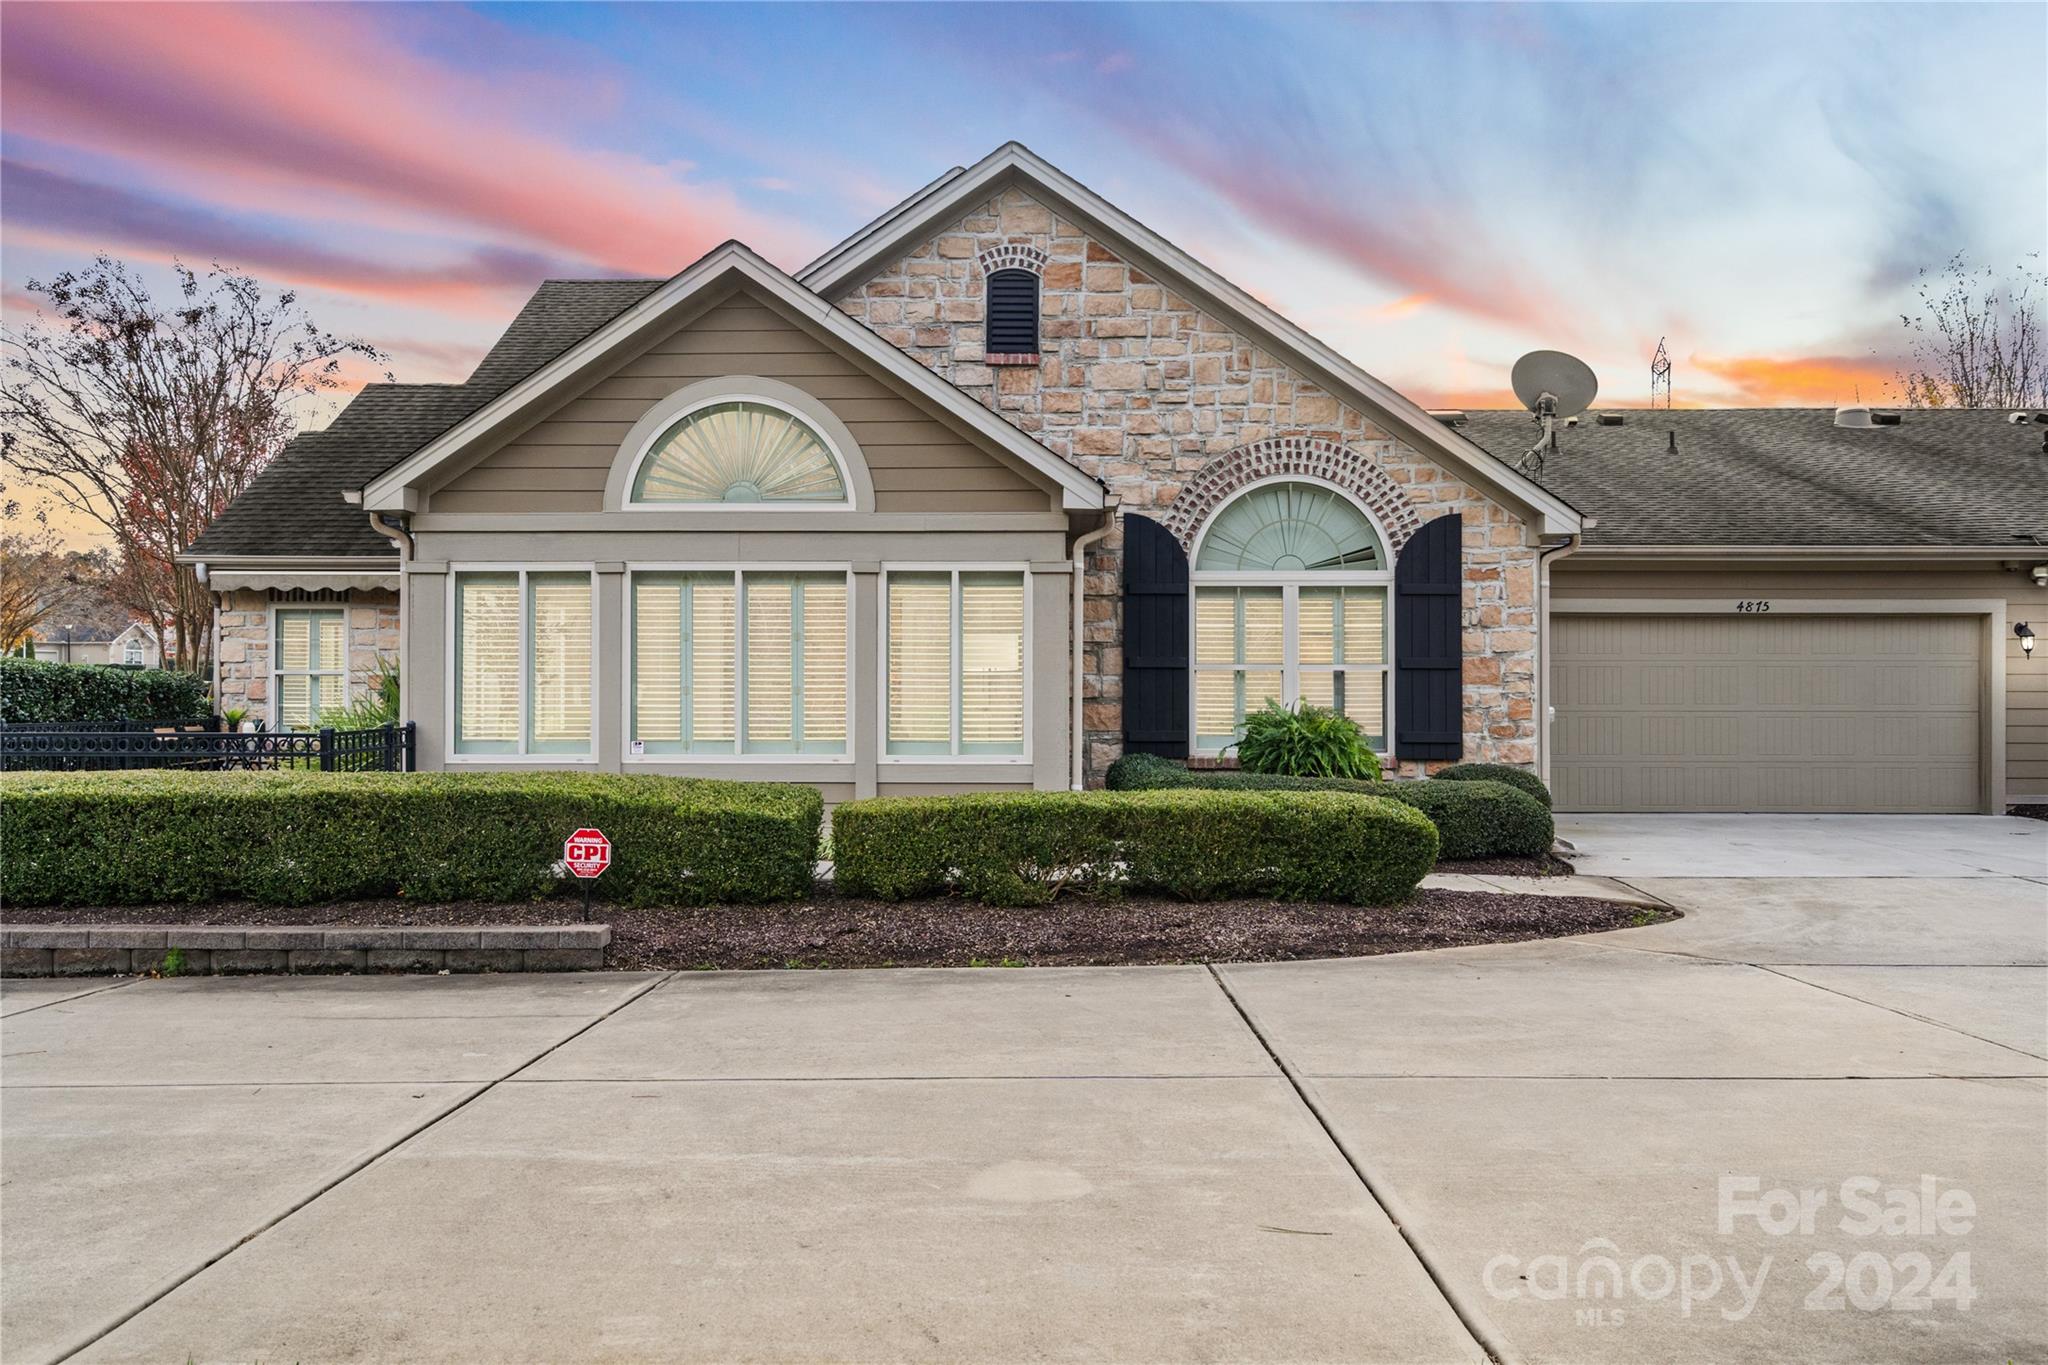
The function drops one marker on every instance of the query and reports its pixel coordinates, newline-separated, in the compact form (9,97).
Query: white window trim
(629,634)
(348,689)
(1290,584)
(627,502)
(450,672)
(886,759)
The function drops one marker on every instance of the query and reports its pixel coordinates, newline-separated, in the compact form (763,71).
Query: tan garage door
(1766,713)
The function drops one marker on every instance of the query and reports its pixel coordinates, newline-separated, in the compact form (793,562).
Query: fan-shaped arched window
(1289,527)
(740,451)
(1290,606)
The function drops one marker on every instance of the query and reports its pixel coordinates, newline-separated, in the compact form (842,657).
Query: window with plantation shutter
(956,661)
(309,667)
(1012,313)
(737,662)
(523,656)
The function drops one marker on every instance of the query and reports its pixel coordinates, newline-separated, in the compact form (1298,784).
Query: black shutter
(1012,313)
(1429,636)
(1155,640)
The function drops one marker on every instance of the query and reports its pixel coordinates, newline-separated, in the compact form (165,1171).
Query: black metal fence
(137,744)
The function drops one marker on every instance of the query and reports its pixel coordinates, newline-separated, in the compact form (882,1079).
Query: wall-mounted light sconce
(2026,634)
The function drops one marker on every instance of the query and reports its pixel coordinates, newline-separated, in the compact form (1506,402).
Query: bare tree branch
(1976,341)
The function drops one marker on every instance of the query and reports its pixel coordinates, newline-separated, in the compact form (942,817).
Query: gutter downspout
(212,635)
(400,537)
(1544,559)
(1082,544)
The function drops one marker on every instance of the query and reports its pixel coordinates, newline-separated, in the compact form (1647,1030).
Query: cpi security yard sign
(587,853)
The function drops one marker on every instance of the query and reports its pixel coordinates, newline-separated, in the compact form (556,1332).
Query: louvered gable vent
(1012,313)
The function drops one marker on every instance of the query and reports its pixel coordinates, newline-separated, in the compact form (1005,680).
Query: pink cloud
(298,103)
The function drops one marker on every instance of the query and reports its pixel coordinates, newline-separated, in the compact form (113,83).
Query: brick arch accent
(1012,256)
(1353,471)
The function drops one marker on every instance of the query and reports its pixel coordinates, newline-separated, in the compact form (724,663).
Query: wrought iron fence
(386,748)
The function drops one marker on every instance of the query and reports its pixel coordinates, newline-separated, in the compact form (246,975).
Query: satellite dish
(1553,384)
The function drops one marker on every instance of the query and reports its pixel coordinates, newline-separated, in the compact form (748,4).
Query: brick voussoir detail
(1012,256)
(1312,457)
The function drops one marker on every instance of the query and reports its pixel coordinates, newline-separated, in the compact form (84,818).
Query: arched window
(739,451)
(1012,314)
(1290,605)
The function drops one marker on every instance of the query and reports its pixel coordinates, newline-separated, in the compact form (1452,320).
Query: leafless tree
(43,582)
(150,418)
(1976,339)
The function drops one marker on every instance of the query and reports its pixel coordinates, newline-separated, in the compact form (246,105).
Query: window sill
(1020,358)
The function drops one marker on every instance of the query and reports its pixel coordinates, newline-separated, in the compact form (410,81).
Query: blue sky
(1433,188)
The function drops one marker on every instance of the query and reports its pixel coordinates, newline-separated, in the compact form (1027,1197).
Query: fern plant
(1307,741)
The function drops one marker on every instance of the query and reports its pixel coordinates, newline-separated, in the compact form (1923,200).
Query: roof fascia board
(303,563)
(1890,553)
(732,260)
(925,212)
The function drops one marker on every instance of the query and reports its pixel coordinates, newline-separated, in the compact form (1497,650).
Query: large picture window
(1290,605)
(309,666)
(955,661)
(739,662)
(523,663)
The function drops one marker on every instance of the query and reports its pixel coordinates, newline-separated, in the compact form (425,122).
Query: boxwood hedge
(291,838)
(1023,848)
(1521,779)
(35,690)
(1473,819)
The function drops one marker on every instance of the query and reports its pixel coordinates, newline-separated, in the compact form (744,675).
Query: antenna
(1660,377)
(1551,384)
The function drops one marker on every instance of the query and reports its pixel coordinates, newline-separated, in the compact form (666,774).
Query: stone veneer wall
(243,665)
(1145,390)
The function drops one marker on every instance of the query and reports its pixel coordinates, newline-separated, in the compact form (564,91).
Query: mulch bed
(833,931)
(1549,865)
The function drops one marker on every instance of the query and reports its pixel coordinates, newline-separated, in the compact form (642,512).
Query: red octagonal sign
(588,853)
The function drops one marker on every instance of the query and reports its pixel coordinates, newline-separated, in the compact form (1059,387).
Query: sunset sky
(1432,188)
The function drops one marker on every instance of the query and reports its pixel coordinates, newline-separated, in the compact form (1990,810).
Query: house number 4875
(1753,606)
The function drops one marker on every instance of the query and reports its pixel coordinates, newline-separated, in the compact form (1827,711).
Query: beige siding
(917,463)
(2025,680)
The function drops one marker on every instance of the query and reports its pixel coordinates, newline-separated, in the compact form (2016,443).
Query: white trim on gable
(946,199)
(397,489)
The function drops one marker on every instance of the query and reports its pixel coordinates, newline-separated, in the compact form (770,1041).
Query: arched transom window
(1290,605)
(739,451)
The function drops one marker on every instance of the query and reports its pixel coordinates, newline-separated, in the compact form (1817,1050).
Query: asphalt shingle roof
(294,507)
(1790,476)
(1748,476)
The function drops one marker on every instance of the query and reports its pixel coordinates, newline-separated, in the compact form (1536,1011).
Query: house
(135,645)
(1000,487)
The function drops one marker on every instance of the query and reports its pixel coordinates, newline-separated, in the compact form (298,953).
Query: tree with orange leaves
(150,418)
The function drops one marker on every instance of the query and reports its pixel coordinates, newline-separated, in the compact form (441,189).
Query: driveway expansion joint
(1484,1333)
(351,1169)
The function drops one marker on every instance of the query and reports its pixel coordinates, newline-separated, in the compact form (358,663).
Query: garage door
(1766,713)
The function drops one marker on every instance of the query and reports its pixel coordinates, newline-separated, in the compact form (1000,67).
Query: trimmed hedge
(294,838)
(1473,819)
(1023,848)
(34,690)
(1521,779)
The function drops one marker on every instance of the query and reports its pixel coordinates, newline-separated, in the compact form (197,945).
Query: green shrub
(1023,848)
(34,691)
(290,838)
(1308,741)
(1521,779)
(1474,819)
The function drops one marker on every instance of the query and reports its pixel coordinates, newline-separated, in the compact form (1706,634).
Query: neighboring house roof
(948,198)
(1791,477)
(73,635)
(727,265)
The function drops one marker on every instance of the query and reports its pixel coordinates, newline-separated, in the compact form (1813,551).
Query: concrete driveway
(1578,1150)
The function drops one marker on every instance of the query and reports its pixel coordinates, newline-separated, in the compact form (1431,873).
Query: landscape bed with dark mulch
(836,931)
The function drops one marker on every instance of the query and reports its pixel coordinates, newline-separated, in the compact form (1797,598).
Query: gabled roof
(1790,477)
(295,509)
(946,199)
(729,264)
